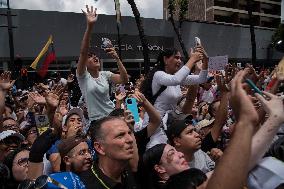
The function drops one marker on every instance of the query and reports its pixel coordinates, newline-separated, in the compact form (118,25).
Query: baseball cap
(10,133)
(72,111)
(66,145)
(204,123)
(176,127)
(268,174)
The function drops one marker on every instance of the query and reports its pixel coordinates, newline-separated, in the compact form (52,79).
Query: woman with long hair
(94,84)
(166,79)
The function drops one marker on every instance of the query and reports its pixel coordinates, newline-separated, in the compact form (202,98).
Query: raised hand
(139,97)
(91,15)
(221,83)
(70,78)
(129,119)
(215,154)
(274,106)
(63,109)
(242,106)
(195,56)
(202,50)
(38,99)
(112,53)
(5,81)
(119,96)
(52,98)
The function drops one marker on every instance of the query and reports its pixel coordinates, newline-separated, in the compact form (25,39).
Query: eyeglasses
(84,152)
(23,161)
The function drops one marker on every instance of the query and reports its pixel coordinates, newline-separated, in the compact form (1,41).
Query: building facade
(266,13)
(32,29)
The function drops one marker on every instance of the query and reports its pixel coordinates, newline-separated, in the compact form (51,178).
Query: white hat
(77,111)
(268,174)
(9,133)
(204,123)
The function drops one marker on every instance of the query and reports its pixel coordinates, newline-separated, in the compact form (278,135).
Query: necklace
(102,182)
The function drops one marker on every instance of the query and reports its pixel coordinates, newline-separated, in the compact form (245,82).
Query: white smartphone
(197,41)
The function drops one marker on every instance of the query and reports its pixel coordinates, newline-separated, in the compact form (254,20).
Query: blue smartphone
(131,104)
(253,87)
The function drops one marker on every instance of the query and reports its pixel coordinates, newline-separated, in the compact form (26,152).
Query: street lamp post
(10,33)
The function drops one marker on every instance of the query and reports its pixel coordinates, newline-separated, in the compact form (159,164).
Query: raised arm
(202,77)
(91,17)
(190,98)
(263,138)
(5,85)
(154,115)
(233,165)
(122,77)
(165,79)
(222,112)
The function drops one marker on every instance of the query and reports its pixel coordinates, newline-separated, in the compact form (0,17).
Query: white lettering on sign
(128,47)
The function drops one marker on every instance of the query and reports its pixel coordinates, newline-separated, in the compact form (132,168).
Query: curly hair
(146,85)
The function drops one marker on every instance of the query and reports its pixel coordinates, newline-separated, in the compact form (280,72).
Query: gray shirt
(202,161)
(96,94)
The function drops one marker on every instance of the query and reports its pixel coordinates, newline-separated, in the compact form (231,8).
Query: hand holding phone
(131,104)
(107,43)
(253,87)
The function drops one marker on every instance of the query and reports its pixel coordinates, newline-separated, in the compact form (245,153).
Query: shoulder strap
(154,98)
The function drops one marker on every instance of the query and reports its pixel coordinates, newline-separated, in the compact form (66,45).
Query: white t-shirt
(96,94)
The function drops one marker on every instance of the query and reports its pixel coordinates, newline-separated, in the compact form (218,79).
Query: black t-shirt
(208,143)
(142,140)
(94,178)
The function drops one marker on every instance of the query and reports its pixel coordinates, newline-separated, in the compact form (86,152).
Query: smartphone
(131,104)
(42,123)
(197,41)
(253,87)
(106,43)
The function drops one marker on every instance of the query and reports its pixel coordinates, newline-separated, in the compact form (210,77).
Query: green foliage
(278,34)
(183,8)
(172,7)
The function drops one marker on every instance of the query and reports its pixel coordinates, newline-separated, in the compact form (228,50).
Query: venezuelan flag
(45,57)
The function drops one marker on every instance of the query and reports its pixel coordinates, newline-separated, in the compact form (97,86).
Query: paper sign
(42,123)
(218,62)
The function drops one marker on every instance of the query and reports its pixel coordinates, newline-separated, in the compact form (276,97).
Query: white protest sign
(218,62)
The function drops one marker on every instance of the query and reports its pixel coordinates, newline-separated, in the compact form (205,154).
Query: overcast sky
(147,8)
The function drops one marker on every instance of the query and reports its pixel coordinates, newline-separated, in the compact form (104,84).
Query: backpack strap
(154,98)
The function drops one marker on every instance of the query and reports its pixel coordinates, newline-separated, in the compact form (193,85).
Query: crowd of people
(195,128)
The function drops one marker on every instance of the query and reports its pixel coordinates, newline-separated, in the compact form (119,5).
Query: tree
(252,33)
(183,9)
(142,36)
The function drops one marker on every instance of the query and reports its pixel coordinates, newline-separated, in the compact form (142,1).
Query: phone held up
(131,104)
(253,86)
(106,43)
